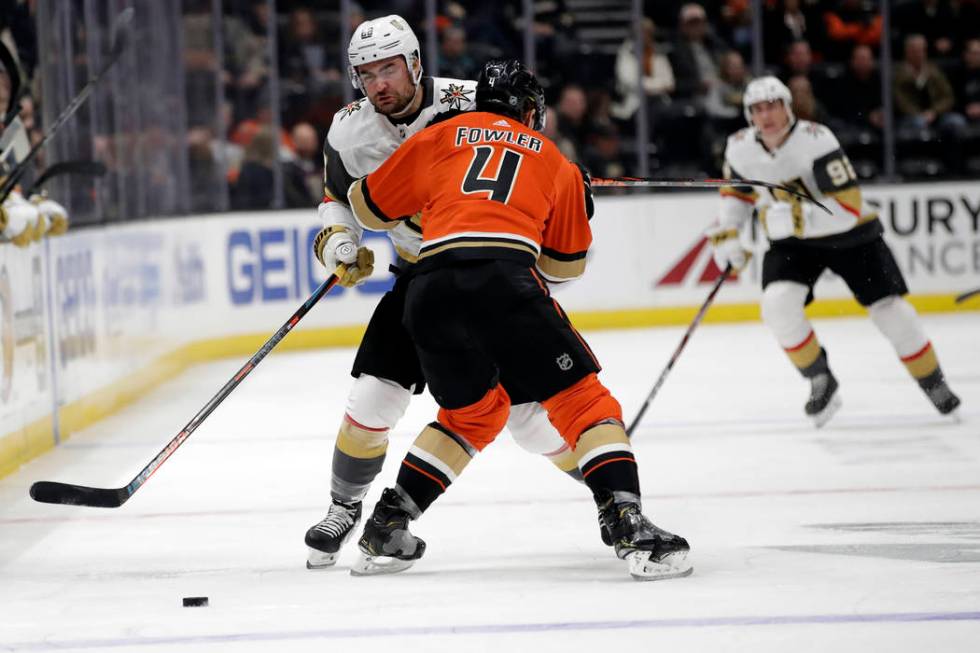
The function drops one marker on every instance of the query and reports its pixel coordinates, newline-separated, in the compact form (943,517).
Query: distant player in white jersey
(385,65)
(804,241)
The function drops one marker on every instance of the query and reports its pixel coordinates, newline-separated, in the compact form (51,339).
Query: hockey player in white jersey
(804,241)
(385,65)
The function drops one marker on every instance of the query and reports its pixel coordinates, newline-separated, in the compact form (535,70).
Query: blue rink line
(498,629)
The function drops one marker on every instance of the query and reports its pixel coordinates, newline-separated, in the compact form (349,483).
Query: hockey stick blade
(80,167)
(639,182)
(967,295)
(78,495)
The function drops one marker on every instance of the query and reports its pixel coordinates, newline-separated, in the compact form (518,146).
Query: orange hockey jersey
(482,186)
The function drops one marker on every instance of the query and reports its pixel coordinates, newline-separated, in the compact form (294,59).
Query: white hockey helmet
(381,38)
(767,89)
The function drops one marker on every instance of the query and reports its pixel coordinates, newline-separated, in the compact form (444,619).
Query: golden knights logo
(350,108)
(455,95)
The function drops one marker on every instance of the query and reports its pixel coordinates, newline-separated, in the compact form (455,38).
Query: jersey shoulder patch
(346,129)
(816,139)
(741,146)
(454,94)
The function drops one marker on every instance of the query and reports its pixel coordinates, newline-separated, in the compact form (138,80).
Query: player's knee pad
(899,322)
(782,311)
(533,431)
(480,422)
(376,404)
(585,404)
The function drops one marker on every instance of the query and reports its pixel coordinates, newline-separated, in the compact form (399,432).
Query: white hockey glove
(727,248)
(336,250)
(783,220)
(53,214)
(19,220)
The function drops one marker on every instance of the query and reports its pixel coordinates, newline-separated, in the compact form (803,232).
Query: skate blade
(824,416)
(319,560)
(376,565)
(672,565)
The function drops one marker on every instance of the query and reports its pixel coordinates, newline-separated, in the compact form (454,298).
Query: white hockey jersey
(809,160)
(360,139)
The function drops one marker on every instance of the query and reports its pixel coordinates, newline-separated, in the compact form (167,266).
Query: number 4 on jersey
(498,187)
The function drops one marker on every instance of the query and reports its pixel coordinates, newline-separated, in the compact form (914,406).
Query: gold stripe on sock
(806,353)
(360,443)
(436,443)
(922,363)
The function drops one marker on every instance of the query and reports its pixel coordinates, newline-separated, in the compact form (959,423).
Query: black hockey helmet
(508,88)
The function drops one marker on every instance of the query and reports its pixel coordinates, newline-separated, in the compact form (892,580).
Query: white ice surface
(863,536)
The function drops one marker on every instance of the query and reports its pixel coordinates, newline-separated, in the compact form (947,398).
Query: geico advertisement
(24,364)
(275,263)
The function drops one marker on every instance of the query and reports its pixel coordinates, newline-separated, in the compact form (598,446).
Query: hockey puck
(195,601)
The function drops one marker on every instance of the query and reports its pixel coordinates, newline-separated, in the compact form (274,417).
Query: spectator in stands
(602,156)
(857,97)
(785,22)
(551,131)
(454,59)
(205,170)
(695,54)
(969,82)
(254,187)
(923,95)
(924,99)
(853,22)
(724,104)
(309,159)
(934,19)
(805,104)
(572,124)
(798,60)
(304,57)
(658,76)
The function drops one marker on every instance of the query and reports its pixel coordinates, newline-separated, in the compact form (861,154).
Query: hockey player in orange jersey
(499,208)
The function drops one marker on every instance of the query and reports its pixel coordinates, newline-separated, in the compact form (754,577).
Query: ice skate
(939,394)
(387,546)
(651,553)
(327,537)
(824,399)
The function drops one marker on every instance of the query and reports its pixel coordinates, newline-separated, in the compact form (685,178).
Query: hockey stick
(680,348)
(639,182)
(80,495)
(967,295)
(13,72)
(80,167)
(120,39)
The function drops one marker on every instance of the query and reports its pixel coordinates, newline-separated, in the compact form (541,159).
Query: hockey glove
(784,220)
(727,248)
(19,220)
(336,250)
(54,214)
(353,274)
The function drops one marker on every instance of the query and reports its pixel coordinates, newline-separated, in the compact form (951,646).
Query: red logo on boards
(696,261)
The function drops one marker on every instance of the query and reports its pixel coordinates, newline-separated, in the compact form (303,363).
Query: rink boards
(93,319)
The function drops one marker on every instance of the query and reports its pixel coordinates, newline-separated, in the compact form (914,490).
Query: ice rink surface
(862,536)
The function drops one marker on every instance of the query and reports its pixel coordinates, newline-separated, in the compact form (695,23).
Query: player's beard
(399,103)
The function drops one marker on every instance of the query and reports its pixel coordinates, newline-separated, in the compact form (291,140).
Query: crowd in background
(695,65)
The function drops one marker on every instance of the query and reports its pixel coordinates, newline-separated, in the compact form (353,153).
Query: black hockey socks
(606,460)
(436,458)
